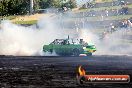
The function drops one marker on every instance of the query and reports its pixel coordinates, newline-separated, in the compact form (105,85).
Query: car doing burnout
(68,47)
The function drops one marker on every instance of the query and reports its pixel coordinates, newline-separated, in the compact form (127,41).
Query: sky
(80,2)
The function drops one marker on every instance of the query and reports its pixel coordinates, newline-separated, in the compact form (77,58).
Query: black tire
(89,54)
(51,51)
(76,52)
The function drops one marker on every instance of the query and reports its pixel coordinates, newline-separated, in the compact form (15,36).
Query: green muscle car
(69,47)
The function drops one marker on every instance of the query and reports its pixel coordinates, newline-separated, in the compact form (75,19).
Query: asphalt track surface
(55,71)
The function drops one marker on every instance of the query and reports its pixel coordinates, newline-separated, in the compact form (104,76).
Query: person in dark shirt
(125,10)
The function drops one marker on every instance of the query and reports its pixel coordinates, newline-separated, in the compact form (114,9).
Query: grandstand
(104,12)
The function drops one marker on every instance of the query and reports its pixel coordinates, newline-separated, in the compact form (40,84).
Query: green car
(68,47)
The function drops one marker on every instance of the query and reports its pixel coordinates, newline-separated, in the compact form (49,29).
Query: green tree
(43,4)
(19,7)
(4,7)
(69,4)
(13,7)
(57,3)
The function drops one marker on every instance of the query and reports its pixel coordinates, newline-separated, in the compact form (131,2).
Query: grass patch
(120,17)
(98,18)
(26,22)
(8,17)
(103,8)
(102,1)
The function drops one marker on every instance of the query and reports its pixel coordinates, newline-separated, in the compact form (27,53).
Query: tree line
(20,7)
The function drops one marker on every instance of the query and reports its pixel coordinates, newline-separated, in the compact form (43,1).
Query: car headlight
(94,47)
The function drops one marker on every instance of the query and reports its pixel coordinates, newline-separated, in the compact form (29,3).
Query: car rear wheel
(76,52)
(51,51)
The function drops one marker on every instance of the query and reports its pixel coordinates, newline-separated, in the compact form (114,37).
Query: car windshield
(90,46)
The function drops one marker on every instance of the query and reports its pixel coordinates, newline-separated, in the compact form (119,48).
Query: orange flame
(81,71)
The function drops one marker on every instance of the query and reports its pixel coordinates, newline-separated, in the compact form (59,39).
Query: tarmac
(57,71)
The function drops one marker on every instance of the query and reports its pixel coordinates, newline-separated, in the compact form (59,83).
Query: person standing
(106,12)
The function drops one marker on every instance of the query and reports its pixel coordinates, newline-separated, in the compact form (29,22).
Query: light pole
(31,7)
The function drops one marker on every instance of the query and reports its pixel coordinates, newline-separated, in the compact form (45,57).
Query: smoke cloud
(116,43)
(18,40)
